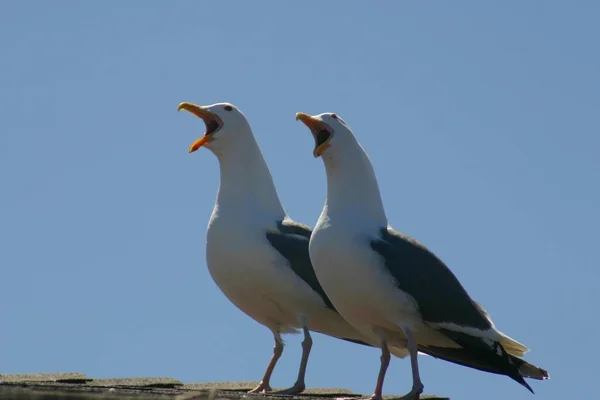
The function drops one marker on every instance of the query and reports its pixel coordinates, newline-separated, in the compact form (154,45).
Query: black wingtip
(522,382)
(513,373)
(478,355)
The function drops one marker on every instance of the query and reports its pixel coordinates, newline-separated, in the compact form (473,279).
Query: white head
(331,133)
(226,127)
(351,181)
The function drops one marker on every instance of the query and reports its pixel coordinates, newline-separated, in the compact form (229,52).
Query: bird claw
(297,388)
(412,395)
(261,388)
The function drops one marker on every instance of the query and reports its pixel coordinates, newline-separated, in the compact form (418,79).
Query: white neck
(246,182)
(352,187)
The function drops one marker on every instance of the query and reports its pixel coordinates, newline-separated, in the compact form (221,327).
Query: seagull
(256,254)
(389,286)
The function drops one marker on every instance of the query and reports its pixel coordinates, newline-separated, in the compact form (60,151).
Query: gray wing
(418,272)
(441,298)
(291,239)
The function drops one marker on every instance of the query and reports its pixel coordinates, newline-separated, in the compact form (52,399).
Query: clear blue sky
(481,121)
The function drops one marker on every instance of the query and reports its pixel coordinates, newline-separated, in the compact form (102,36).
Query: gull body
(389,286)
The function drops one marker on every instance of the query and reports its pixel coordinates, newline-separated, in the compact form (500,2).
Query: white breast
(255,277)
(355,279)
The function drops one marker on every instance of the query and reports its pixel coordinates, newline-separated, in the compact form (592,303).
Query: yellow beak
(209,119)
(199,143)
(316,126)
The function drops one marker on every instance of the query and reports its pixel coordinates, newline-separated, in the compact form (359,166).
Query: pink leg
(300,385)
(264,385)
(417,387)
(385,362)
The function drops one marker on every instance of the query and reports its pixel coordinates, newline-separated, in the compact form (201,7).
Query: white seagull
(255,253)
(389,286)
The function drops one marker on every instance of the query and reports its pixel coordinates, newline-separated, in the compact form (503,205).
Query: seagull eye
(228,108)
(334,116)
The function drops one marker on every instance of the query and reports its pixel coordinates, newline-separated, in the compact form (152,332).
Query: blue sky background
(481,121)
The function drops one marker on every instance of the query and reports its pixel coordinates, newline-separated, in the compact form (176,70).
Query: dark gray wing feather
(291,240)
(441,298)
(477,354)
(418,272)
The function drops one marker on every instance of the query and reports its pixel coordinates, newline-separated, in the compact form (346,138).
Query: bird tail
(477,354)
(511,346)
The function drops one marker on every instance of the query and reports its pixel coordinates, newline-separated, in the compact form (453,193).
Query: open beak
(320,131)
(212,121)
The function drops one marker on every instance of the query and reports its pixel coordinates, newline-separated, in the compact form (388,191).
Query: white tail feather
(511,346)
